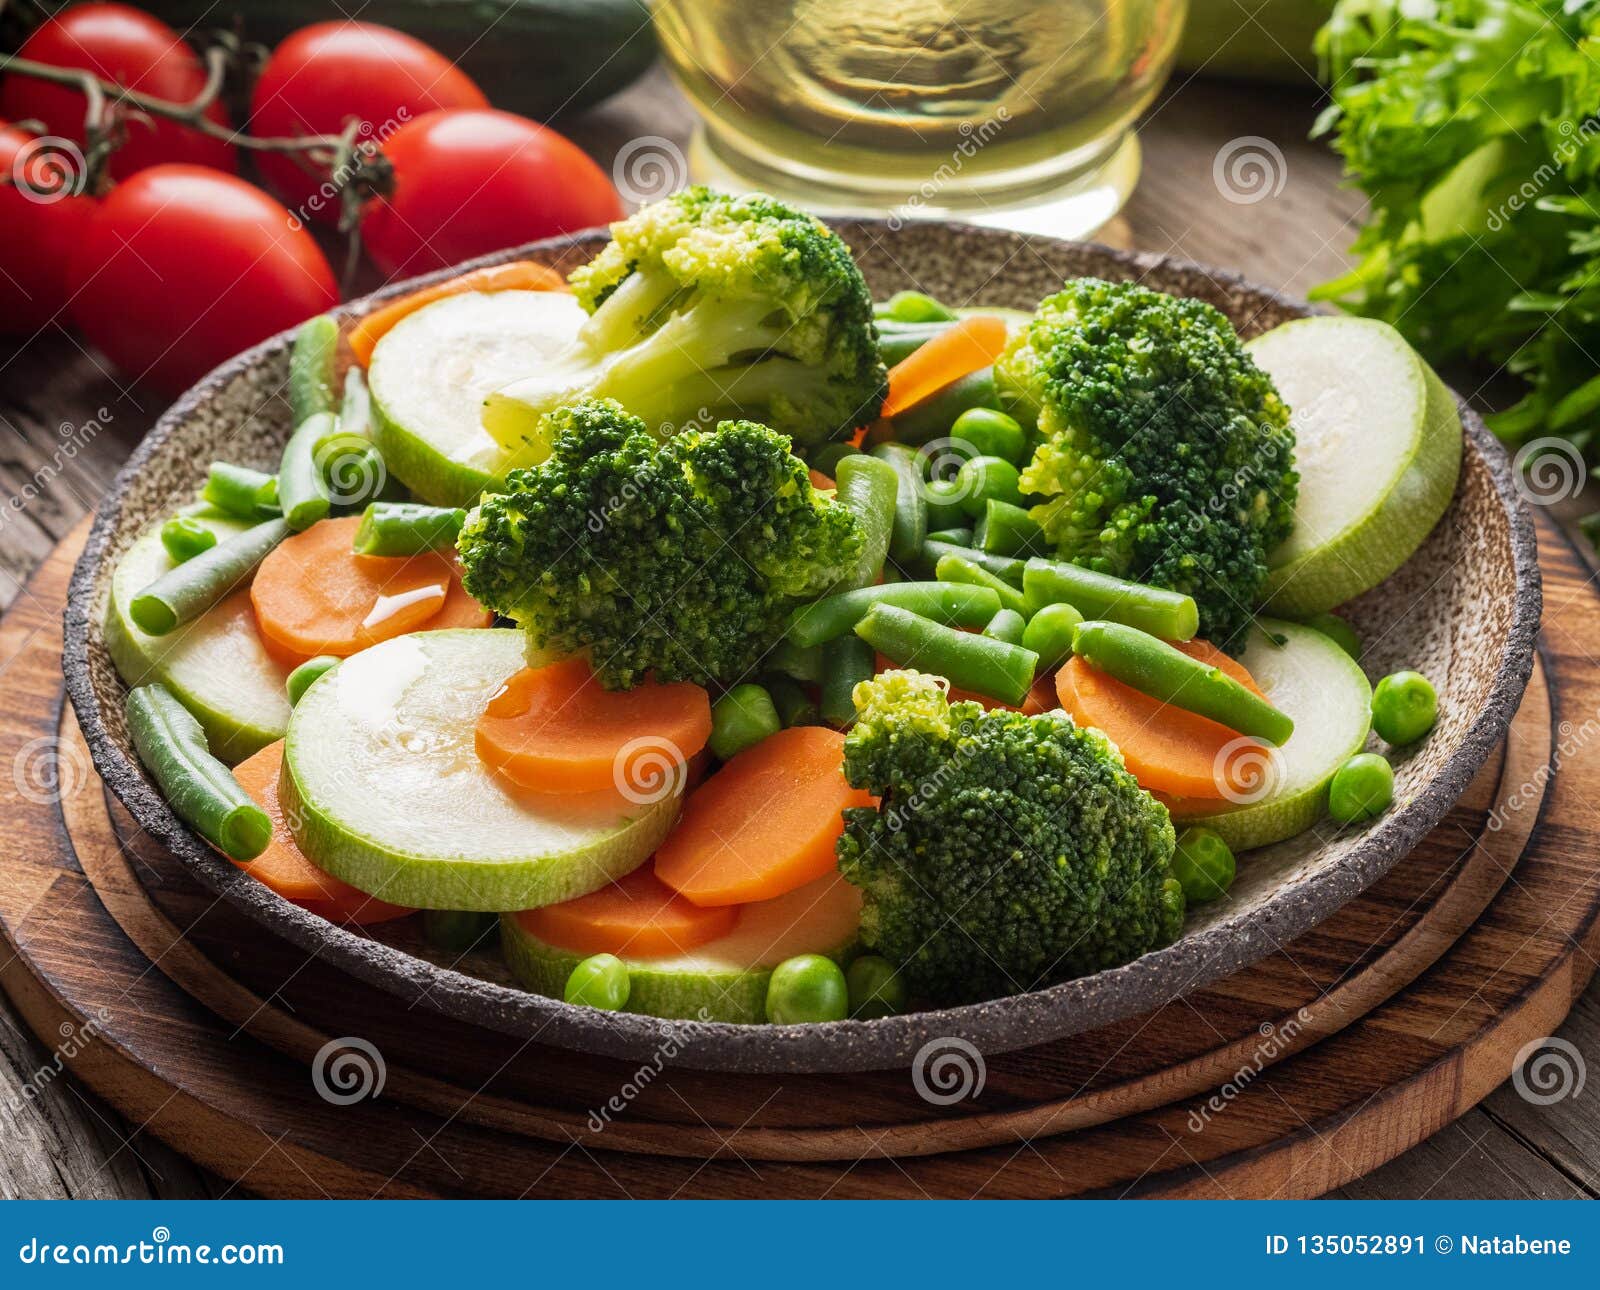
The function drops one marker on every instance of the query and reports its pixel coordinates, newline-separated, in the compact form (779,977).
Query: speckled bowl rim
(999,1025)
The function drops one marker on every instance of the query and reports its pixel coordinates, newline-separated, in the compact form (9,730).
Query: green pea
(745,715)
(185,537)
(1404,707)
(808,987)
(994,434)
(1362,788)
(875,987)
(981,478)
(1049,634)
(943,497)
(1203,865)
(1339,632)
(600,981)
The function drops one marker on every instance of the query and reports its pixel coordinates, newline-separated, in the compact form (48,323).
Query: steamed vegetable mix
(407,528)
(1007,568)
(1167,614)
(198,787)
(913,307)
(980,664)
(187,591)
(936,416)
(870,490)
(355,407)
(982,479)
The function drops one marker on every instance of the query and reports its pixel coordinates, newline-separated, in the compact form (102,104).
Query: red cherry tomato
(183,267)
(135,50)
(467,182)
(323,75)
(39,228)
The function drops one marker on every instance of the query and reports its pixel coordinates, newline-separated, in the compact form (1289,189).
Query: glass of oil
(1014,113)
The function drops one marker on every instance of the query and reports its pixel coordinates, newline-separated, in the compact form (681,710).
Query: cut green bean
(299,680)
(187,591)
(184,537)
(955,537)
(355,409)
(870,489)
(1153,667)
(931,418)
(407,528)
(990,432)
(943,500)
(897,341)
(789,698)
(910,509)
(1049,634)
(804,665)
(913,307)
(200,789)
(312,390)
(741,718)
(959,568)
(1008,626)
(846,662)
(303,492)
(977,663)
(1007,568)
(1170,615)
(240,492)
(458,930)
(949,602)
(1005,529)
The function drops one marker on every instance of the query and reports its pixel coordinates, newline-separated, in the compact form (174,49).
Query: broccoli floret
(681,559)
(706,306)
(1006,851)
(1164,454)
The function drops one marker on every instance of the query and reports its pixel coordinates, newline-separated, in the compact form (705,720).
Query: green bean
(1153,667)
(898,341)
(955,537)
(1049,634)
(355,409)
(947,602)
(457,930)
(846,662)
(744,716)
(913,307)
(979,663)
(991,432)
(299,680)
(312,390)
(184,537)
(240,492)
(828,457)
(1005,567)
(804,665)
(407,528)
(870,489)
(200,789)
(959,568)
(931,418)
(792,703)
(1170,615)
(1005,529)
(1007,625)
(188,590)
(943,500)
(302,487)
(981,478)
(910,508)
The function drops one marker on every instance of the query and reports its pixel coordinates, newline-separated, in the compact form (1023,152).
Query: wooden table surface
(62,1142)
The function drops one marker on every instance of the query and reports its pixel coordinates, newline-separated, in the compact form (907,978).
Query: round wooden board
(1350,1045)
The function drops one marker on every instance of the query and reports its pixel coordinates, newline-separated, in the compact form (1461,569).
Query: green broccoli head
(681,559)
(706,306)
(1165,454)
(1007,852)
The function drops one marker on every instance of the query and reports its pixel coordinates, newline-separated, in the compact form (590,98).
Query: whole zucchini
(537,57)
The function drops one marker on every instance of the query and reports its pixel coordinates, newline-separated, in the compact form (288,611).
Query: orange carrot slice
(555,730)
(284,869)
(764,824)
(518,275)
(1167,749)
(634,917)
(958,351)
(314,595)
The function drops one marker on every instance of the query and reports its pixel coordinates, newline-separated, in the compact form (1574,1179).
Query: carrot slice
(314,595)
(1167,749)
(518,275)
(283,868)
(555,730)
(637,916)
(960,350)
(764,824)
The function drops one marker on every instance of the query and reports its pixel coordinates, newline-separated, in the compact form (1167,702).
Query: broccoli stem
(628,312)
